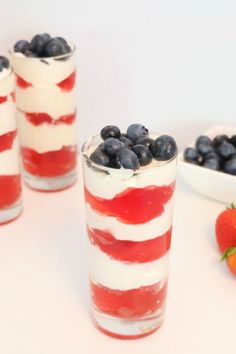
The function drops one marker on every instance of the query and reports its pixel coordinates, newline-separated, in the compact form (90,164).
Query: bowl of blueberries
(208,164)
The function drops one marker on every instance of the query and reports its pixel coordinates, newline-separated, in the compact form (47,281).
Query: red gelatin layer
(22,83)
(6,140)
(68,83)
(51,163)
(10,190)
(40,118)
(130,303)
(3,99)
(134,205)
(130,251)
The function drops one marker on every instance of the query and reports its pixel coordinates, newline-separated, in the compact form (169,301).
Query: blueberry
(113,163)
(112,145)
(164,148)
(4,62)
(136,131)
(39,42)
(56,47)
(212,155)
(226,150)
(21,46)
(143,153)
(233,140)
(28,53)
(126,141)
(1,67)
(191,154)
(204,149)
(212,164)
(100,157)
(219,139)
(126,158)
(203,139)
(230,166)
(110,131)
(145,141)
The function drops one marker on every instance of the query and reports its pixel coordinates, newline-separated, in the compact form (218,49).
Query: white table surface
(44,290)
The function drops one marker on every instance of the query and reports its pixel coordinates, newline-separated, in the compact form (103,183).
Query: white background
(171,65)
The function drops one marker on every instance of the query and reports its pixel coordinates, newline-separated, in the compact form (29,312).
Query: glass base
(122,328)
(11,213)
(50,184)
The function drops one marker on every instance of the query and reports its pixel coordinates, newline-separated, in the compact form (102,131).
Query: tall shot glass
(129,225)
(10,181)
(46,110)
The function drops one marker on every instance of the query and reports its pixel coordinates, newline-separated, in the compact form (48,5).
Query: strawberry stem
(228,253)
(231,206)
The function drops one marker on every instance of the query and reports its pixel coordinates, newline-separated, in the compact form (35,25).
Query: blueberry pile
(218,154)
(42,46)
(133,149)
(4,63)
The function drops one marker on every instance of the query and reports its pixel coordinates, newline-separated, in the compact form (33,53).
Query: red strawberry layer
(129,303)
(6,140)
(69,83)
(51,163)
(10,190)
(3,99)
(134,205)
(130,251)
(40,118)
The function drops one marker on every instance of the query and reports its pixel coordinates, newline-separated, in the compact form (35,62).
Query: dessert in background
(129,182)
(45,70)
(10,182)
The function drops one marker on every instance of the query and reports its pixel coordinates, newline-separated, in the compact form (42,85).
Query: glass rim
(127,171)
(11,72)
(57,57)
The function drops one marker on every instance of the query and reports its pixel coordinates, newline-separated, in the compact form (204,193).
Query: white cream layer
(141,232)
(7,82)
(7,116)
(108,185)
(45,137)
(9,160)
(42,71)
(122,275)
(47,99)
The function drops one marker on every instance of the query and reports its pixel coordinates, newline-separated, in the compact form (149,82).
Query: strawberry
(226,229)
(230,256)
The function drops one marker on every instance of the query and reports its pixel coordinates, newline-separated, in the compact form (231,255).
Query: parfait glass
(129,224)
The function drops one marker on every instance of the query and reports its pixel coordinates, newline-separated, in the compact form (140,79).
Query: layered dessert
(129,182)
(46,107)
(10,184)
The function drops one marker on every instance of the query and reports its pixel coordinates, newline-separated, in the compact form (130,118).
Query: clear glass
(46,111)
(129,225)
(10,180)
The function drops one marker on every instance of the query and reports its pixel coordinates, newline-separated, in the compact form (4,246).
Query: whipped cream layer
(7,82)
(47,99)
(45,137)
(7,116)
(9,160)
(108,185)
(141,232)
(43,71)
(123,275)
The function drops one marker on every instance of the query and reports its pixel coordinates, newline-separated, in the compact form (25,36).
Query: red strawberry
(230,256)
(226,229)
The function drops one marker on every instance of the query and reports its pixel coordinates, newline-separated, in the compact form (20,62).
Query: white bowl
(213,184)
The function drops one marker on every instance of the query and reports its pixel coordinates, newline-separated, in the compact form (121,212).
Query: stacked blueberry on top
(218,154)
(42,45)
(133,149)
(4,63)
